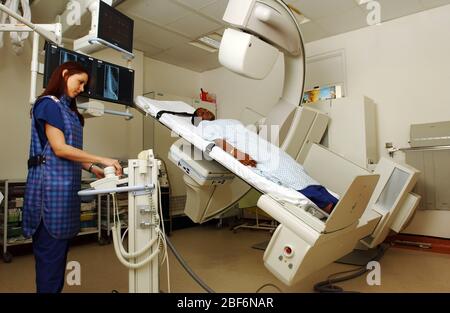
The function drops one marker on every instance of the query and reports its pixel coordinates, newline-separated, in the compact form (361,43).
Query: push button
(288,251)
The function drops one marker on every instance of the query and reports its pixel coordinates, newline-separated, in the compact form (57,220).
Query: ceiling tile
(195,4)
(314,9)
(187,52)
(216,10)
(429,4)
(398,8)
(345,22)
(156,36)
(311,31)
(164,57)
(159,11)
(198,63)
(146,47)
(194,26)
(190,57)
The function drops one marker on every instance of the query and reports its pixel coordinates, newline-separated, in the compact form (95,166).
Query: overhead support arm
(51,32)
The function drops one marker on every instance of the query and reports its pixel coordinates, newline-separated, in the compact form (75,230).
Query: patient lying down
(261,156)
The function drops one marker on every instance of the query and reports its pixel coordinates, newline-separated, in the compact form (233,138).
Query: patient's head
(202,114)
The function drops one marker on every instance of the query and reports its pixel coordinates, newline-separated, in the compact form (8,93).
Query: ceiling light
(209,42)
(212,40)
(202,46)
(361,2)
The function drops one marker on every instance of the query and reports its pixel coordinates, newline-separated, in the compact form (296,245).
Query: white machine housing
(370,205)
(143,222)
(246,54)
(144,232)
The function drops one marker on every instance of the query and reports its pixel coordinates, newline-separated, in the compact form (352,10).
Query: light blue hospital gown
(272,162)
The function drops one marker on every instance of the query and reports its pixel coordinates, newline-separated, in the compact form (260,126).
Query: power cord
(327,286)
(163,236)
(188,269)
(268,285)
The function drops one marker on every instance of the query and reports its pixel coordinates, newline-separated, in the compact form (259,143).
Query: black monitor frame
(115,27)
(97,86)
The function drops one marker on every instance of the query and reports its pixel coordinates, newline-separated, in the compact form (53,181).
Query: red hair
(57,84)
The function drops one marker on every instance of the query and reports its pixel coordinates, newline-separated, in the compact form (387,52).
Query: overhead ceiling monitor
(110,28)
(107,82)
(115,27)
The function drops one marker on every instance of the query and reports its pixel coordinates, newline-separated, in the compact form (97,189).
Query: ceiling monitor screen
(107,81)
(115,27)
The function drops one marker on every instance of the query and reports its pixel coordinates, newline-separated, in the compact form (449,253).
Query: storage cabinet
(11,215)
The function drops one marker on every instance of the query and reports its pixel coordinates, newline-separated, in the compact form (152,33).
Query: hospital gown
(272,162)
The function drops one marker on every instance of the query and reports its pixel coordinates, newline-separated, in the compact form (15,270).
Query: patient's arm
(242,157)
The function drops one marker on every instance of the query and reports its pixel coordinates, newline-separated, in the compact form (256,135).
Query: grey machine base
(261,246)
(362,257)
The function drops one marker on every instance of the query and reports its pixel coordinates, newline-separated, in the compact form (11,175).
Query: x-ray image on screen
(107,81)
(66,56)
(111,89)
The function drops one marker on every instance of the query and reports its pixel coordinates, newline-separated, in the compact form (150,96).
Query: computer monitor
(107,81)
(115,27)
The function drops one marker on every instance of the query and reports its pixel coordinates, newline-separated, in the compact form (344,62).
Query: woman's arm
(94,169)
(242,157)
(62,150)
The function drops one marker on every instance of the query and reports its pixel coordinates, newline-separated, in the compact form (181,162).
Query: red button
(287,250)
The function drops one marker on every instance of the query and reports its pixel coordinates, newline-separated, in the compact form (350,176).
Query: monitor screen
(115,27)
(107,81)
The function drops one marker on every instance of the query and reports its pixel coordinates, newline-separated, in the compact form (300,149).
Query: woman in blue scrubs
(51,213)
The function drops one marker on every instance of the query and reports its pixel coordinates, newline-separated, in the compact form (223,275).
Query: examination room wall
(175,83)
(403,65)
(14,110)
(235,93)
(170,79)
(106,136)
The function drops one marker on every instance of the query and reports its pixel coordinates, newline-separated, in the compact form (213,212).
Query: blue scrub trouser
(51,256)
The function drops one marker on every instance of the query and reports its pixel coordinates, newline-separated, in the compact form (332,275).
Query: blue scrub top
(47,111)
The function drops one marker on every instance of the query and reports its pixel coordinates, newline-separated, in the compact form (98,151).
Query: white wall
(170,79)
(15,120)
(235,92)
(105,136)
(403,65)
(175,83)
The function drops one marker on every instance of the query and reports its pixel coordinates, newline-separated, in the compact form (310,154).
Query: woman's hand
(111,162)
(98,172)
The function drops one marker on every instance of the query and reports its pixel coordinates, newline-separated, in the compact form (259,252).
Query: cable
(187,268)
(166,256)
(17,38)
(268,285)
(167,175)
(120,251)
(327,285)
(124,234)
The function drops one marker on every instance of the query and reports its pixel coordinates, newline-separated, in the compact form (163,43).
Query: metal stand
(260,226)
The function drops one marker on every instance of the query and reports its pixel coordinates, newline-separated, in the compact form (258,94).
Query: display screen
(107,81)
(115,27)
